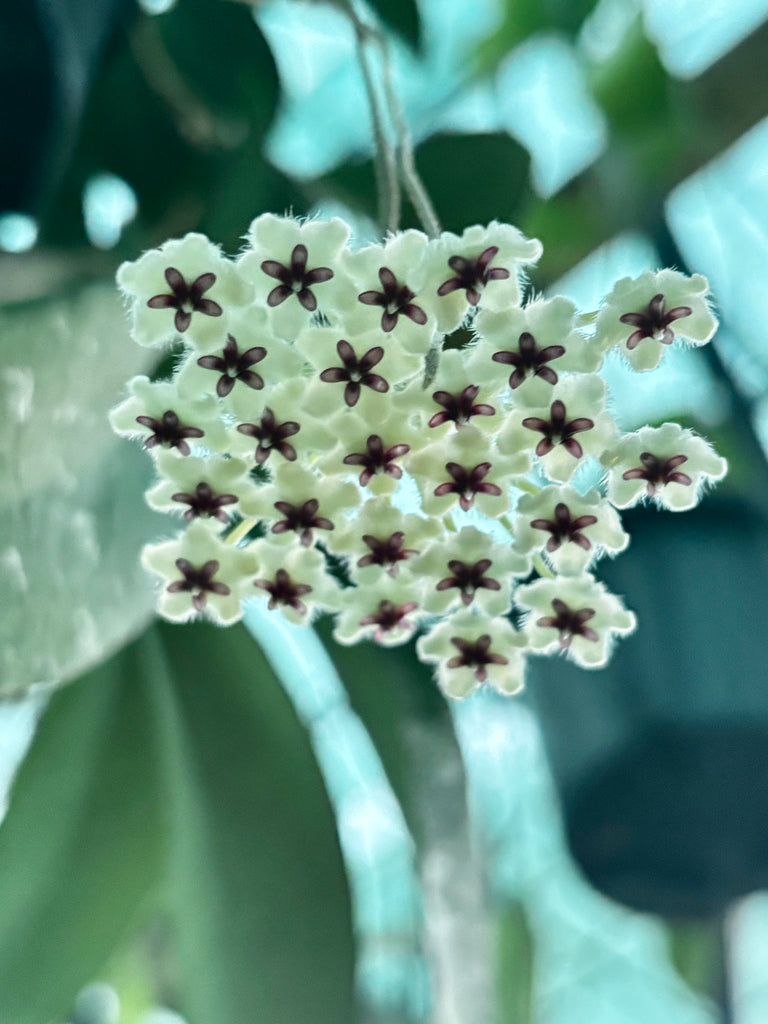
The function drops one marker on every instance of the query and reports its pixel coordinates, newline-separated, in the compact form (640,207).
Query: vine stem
(458,936)
(414,186)
(388,157)
(385,159)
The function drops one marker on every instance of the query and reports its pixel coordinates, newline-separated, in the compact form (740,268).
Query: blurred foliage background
(200,832)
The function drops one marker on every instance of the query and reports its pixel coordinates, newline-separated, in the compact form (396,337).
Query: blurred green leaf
(474,178)
(514,965)
(402,16)
(50,56)
(654,754)
(696,950)
(470,179)
(83,842)
(260,903)
(521,18)
(180,112)
(176,775)
(72,515)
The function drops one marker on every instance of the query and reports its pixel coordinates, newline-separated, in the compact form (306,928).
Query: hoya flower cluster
(391,435)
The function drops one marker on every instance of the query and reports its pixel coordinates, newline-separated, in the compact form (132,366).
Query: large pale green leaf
(176,778)
(72,515)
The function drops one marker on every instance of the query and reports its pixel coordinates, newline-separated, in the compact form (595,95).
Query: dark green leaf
(83,843)
(655,754)
(402,16)
(180,112)
(50,53)
(470,179)
(259,896)
(473,179)
(521,18)
(178,776)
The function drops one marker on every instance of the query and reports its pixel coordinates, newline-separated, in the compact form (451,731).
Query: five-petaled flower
(638,315)
(356,372)
(573,426)
(466,483)
(569,622)
(389,617)
(395,300)
(386,551)
(271,436)
(573,529)
(198,581)
(377,459)
(168,431)
(283,590)
(186,298)
(563,527)
(658,472)
(476,655)
(469,650)
(295,279)
(302,519)
(575,615)
(201,574)
(459,409)
(647,465)
(529,360)
(558,430)
(234,365)
(204,501)
(653,322)
(472,275)
(468,578)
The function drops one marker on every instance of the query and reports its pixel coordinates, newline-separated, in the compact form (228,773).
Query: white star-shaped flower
(575,615)
(643,315)
(185,288)
(469,650)
(202,575)
(668,464)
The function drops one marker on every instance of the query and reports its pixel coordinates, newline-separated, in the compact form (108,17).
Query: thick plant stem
(458,936)
(376,845)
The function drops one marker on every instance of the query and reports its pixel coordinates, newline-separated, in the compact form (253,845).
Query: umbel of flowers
(327,444)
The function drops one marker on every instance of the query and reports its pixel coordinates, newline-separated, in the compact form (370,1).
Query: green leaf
(514,964)
(83,842)
(196,90)
(473,179)
(259,899)
(72,516)
(176,776)
(653,754)
(402,16)
(470,178)
(521,18)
